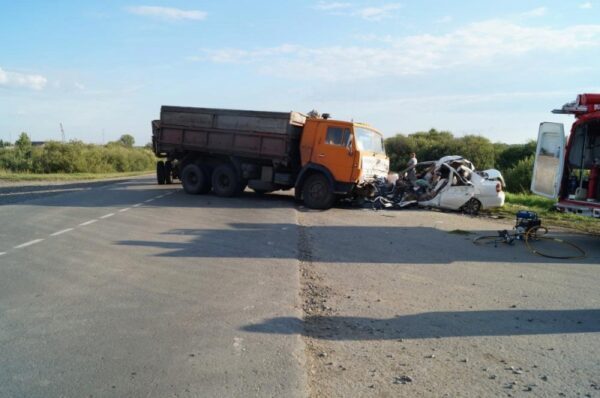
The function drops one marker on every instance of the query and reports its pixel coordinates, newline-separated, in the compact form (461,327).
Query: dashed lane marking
(137,205)
(125,209)
(83,224)
(64,231)
(107,215)
(148,201)
(31,242)
(2,253)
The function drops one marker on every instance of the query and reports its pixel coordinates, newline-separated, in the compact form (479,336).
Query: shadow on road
(394,245)
(436,325)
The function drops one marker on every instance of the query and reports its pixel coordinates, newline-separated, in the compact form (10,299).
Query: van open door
(549,160)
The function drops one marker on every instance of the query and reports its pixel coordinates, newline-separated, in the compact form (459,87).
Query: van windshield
(368,140)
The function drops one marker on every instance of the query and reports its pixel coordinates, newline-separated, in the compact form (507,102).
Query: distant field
(16,177)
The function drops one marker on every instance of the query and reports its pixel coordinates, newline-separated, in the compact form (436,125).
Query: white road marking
(2,253)
(107,215)
(31,242)
(83,224)
(125,209)
(148,201)
(64,231)
(137,205)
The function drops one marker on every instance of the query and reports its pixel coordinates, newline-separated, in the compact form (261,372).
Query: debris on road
(404,379)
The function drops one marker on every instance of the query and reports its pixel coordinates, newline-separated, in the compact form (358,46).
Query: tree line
(75,157)
(515,161)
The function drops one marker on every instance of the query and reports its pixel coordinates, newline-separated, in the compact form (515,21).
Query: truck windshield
(368,140)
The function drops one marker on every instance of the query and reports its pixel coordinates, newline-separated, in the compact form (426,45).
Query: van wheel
(160,172)
(168,172)
(225,181)
(472,207)
(317,192)
(194,180)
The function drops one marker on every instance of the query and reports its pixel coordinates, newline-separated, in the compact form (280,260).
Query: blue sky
(104,68)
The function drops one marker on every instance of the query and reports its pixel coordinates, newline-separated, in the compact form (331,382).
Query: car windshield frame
(369,140)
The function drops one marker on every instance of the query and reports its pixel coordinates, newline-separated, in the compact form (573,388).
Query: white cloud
(168,13)
(16,79)
(587,5)
(377,13)
(372,13)
(332,6)
(469,46)
(536,12)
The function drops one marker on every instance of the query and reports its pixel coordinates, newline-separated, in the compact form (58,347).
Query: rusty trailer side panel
(251,134)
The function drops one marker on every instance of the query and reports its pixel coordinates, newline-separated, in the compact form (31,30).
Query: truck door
(334,151)
(549,160)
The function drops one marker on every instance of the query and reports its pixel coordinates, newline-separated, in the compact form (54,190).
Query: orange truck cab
(338,158)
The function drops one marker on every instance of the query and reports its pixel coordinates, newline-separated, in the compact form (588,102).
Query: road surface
(133,289)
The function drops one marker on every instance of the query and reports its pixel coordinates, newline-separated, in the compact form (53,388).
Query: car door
(549,160)
(457,193)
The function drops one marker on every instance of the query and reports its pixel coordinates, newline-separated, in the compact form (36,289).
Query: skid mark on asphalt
(31,242)
(83,224)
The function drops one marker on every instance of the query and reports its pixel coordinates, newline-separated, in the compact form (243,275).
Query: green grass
(16,177)
(546,211)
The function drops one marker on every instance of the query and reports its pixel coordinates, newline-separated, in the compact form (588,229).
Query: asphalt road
(133,289)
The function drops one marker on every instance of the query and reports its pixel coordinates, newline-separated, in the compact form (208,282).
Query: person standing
(412,172)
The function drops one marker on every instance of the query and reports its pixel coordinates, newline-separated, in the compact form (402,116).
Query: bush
(74,157)
(518,178)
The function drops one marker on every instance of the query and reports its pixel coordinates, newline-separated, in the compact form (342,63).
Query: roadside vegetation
(72,160)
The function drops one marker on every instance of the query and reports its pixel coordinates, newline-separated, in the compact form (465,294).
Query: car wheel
(472,207)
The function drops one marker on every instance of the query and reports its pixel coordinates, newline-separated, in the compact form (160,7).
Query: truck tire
(225,181)
(160,172)
(168,172)
(194,180)
(317,192)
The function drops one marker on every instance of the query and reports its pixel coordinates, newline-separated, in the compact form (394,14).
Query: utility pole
(62,132)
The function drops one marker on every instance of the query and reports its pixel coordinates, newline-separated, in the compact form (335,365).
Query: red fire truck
(571,173)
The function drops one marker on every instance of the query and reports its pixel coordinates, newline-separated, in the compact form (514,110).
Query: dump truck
(569,170)
(225,151)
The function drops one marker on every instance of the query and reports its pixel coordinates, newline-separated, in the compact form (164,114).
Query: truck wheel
(317,192)
(225,181)
(194,180)
(168,172)
(160,172)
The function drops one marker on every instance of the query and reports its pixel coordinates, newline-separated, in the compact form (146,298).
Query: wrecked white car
(448,183)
